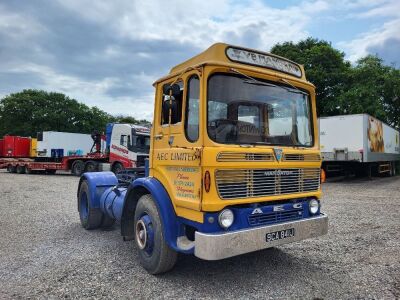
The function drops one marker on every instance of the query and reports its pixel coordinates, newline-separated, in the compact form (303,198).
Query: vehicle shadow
(268,266)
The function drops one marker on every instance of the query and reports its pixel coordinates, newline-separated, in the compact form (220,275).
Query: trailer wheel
(90,166)
(154,253)
(20,169)
(392,169)
(78,167)
(90,218)
(11,169)
(117,167)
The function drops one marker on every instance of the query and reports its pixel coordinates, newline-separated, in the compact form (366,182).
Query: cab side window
(192,109)
(125,140)
(177,105)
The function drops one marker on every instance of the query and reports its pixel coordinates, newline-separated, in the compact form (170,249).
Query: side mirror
(175,89)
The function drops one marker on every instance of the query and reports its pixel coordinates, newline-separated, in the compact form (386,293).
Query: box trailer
(358,143)
(60,144)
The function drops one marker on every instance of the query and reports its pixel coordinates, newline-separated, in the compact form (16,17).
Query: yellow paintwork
(181,166)
(33,148)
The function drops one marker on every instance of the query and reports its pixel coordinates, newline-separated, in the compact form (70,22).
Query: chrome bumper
(210,246)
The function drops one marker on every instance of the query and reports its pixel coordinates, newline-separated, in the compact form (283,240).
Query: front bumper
(210,246)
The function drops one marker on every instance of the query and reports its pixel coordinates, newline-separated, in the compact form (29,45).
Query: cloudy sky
(108,53)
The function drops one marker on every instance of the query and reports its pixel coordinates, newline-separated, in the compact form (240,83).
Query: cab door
(177,143)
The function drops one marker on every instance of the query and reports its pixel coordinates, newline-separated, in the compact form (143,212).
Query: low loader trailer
(234,163)
(126,146)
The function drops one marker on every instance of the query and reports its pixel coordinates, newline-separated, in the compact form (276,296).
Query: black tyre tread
(167,257)
(20,169)
(95,216)
(116,166)
(92,165)
(73,168)
(107,223)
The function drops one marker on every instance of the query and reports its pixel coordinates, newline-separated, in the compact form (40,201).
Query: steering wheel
(227,127)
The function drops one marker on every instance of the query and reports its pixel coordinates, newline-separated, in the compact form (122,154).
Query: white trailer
(358,142)
(64,143)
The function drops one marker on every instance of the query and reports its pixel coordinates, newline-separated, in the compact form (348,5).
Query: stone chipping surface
(45,254)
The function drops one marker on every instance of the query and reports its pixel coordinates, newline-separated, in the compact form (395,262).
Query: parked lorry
(126,146)
(358,144)
(234,163)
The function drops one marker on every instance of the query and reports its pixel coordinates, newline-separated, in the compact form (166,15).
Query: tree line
(368,86)
(30,111)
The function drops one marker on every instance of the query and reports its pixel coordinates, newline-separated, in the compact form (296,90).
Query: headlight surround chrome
(313,206)
(226,218)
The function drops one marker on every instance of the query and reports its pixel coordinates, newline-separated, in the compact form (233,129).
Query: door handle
(158,136)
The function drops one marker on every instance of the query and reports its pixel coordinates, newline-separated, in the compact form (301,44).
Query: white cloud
(376,37)
(360,46)
(202,23)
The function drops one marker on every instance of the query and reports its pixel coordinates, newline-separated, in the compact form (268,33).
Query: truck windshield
(243,111)
(140,143)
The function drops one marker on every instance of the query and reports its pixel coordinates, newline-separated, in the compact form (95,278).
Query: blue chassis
(107,183)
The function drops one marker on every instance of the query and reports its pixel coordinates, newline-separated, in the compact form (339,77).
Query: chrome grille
(247,183)
(244,156)
(301,157)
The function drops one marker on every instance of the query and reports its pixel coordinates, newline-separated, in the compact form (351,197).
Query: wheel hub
(145,234)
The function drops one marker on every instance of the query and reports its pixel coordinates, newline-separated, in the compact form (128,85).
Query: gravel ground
(44,253)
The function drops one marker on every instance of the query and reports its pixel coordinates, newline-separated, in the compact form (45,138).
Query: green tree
(325,67)
(27,112)
(373,88)
(131,120)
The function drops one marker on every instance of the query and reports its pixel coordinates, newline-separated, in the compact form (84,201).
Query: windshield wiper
(252,80)
(296,88)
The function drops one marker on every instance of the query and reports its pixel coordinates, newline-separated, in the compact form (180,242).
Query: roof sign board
(263,60)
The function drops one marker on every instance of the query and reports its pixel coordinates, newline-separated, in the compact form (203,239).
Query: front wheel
(154,253)
(117,167)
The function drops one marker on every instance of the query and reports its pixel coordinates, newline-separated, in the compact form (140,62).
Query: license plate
(279,235)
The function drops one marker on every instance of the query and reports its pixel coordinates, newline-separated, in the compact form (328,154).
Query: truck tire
(91,166)
(51,171)
(90,218)
(117,167)
(77,168)
(20,169)
(107,223)
(154,253)
(11,169)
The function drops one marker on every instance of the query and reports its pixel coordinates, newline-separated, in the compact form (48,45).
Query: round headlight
(313,206)
(225,218)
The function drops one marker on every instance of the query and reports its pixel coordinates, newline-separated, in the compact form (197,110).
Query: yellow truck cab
(234,162)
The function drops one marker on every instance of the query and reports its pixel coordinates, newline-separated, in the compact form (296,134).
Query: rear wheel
(20,169)
(77,168)
(117,167)
(107,223)
(90,218)
(154,253)
(91,166)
